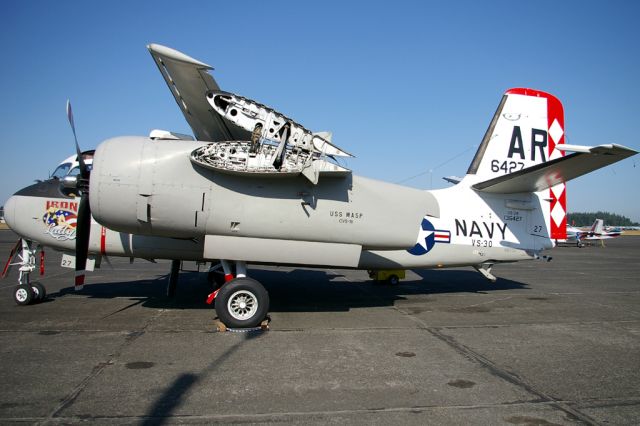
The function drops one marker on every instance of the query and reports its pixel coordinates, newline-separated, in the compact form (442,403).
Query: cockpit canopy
(71,167)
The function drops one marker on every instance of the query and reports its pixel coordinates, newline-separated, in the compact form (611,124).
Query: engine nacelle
(144,186)
(151,187)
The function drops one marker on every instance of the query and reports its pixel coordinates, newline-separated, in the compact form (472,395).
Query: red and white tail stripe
(558,193)
(555,131)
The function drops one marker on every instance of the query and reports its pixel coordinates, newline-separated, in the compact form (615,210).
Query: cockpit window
(76,170)
(61,171)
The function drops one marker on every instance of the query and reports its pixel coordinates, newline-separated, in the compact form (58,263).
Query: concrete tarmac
(548,343)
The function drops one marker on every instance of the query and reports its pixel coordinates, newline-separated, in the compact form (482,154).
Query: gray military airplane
(254,186)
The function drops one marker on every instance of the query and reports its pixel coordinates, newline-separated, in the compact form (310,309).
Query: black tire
(242,303)
(23,294)
(39,292)
(393,280)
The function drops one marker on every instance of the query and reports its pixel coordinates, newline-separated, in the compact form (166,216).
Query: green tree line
(610,219)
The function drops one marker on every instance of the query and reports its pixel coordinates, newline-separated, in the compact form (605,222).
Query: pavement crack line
(95,372)
(131,337)
(602,305)
(283,416)
(487,302)
(508,376)
(497,371)
(487,364)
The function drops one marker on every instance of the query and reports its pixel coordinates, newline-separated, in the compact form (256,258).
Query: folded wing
(189,81)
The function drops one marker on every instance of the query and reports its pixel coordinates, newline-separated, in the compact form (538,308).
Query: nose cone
(10,212)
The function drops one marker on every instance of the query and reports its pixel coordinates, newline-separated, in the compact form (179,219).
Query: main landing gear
(26,292)
(240,302)
(173,278)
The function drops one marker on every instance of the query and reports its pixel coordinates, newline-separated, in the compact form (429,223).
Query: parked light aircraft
(596,232)
(256,186)
(599,231)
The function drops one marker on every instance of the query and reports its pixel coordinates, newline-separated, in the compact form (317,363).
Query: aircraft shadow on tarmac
(300,290)
(295,291)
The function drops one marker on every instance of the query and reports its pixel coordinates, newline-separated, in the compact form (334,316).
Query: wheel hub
(242,305)
(21,294)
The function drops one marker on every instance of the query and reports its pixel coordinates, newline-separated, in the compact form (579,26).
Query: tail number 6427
(506,166)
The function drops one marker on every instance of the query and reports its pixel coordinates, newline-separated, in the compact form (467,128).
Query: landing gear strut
(241,302)
(26,292)
(173,278)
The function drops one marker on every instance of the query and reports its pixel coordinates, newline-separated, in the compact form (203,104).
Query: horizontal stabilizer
(545,175)
(453,179)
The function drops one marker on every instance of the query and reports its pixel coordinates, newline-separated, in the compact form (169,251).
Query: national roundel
(428,236)
(426,239)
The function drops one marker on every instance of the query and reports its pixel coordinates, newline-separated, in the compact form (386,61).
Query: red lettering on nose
(64,205)
(73,206)
(52,204)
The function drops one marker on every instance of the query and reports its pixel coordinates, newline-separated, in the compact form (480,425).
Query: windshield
(76,170)
(61,171)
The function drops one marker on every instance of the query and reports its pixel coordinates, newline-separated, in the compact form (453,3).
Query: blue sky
(406,86)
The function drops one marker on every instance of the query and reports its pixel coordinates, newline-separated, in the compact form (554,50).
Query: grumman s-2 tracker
(254,186)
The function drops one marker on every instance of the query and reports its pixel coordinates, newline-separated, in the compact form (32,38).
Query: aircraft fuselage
(155,203)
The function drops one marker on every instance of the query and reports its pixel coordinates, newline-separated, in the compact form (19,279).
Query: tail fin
(524,132)
(598,227)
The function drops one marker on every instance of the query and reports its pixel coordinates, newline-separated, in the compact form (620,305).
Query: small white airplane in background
(597,232)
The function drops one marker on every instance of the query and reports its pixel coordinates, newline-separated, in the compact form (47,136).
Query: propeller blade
(83,167)
(83,228)
(83,224)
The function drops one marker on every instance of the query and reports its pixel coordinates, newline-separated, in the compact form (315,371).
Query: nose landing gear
(22,254)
